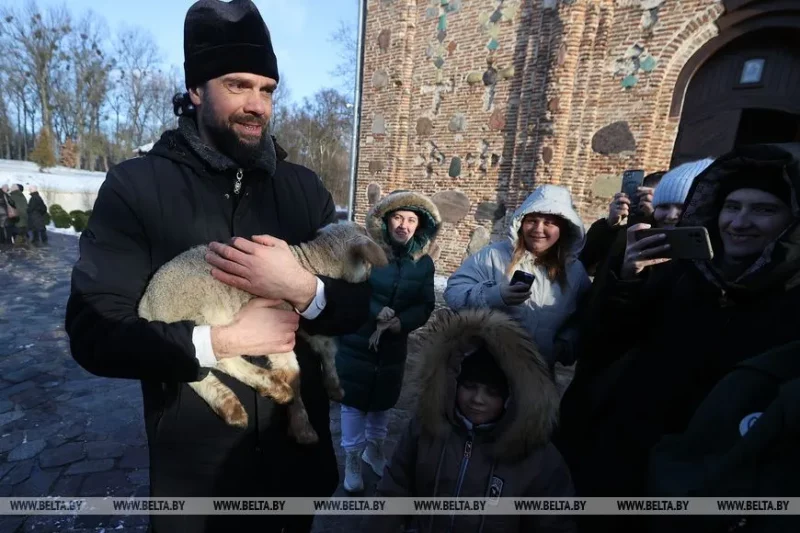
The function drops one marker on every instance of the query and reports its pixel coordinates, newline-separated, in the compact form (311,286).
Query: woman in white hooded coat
(545,236)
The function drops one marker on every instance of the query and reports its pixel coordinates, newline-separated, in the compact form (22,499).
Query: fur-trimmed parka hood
(532,408)
(779,264)
(429,220)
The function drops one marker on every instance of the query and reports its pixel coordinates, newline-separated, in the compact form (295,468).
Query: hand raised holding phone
(643,253)
(518,290)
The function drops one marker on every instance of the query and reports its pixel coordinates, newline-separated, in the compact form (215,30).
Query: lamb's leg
(299,424)
(326,348)
(267,382)
(221,399)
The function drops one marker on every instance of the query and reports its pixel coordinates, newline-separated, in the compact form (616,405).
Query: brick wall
(517,94)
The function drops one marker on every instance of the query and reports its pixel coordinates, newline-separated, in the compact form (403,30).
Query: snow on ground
(64,231)
(60,179)
(439,283)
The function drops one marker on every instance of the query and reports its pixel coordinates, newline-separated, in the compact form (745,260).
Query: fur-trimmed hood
(780,262)
(532,407)
(429,222)
(551,200)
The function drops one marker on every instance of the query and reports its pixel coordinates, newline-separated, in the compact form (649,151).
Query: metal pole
(362,28)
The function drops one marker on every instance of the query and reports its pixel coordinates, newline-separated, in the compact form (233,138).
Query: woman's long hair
(554,260)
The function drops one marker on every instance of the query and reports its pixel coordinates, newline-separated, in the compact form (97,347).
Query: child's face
(478,402)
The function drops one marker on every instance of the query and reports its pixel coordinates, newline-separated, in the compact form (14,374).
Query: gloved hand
(514,294)
(385,320)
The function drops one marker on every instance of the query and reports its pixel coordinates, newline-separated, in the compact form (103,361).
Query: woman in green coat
(370,362)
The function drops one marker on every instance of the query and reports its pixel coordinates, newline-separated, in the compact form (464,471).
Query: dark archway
(744,85)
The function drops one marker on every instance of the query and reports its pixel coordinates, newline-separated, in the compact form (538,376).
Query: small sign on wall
(752,71)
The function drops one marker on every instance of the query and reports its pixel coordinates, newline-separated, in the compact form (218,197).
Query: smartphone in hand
(684,242)
(521,277)
(631,181)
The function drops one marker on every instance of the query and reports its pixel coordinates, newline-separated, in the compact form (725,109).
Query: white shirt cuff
(203,350)
(317,304)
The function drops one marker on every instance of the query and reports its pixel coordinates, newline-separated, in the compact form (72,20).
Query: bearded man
(218,178)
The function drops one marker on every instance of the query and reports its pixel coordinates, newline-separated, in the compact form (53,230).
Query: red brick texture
(558,71)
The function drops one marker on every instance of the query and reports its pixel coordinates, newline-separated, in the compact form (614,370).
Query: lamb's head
(345,251)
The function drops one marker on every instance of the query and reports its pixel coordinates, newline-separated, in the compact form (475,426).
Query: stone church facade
(476,102)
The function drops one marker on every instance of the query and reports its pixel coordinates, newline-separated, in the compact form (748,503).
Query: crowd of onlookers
(22,219)
(661,347)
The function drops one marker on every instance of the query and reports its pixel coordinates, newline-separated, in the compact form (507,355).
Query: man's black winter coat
(148,211)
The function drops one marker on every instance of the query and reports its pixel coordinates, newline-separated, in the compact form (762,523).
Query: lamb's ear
(369,251)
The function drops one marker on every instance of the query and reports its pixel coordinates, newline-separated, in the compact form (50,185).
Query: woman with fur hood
(487,408)
(370,362)
(545,237)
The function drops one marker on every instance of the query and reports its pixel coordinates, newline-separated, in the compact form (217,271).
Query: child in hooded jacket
(486,412)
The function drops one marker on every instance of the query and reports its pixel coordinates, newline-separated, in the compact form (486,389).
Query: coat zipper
(462,471)
(237,185)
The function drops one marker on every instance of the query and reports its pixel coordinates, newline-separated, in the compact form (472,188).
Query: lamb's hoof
(336,394)
(235,415)
(306,435)
(281,392)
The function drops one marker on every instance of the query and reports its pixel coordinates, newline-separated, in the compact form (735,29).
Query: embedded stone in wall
(554,105)
(458,122)
(490,211)
(373,193)
(379,125)
(380,79)
(490,76)
(547,154)
(562,54)
(606,185)
(384,38)
(451,47)
(474,77)
(614,139)
(479,238)
(651,4)
(455,167)
(424,126)
(629,81)
(453,205)
(506,73)
(648,64)
(376,166)
(549,4)
(649,18)
(498,120)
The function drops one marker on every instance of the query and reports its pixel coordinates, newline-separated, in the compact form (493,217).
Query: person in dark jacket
(370,362)
(6,203)
(486,410)
(674,331)
(603,236)
(219,177)
(19,228)
(37,216)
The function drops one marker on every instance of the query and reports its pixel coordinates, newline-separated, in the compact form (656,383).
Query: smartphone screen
(522,277)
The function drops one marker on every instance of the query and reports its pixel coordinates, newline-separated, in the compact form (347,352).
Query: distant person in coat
(544,239)
(37,216)
(485,413)
(218,178)
(20,227)
(6,204)
(371,361)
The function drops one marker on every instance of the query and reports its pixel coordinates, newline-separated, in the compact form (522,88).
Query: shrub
(79,220)
(42,153)
(60,217)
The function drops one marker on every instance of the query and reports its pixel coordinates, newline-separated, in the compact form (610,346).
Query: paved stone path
(62,430)
(66,432)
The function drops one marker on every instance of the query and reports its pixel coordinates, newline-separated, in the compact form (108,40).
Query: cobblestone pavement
(66,432)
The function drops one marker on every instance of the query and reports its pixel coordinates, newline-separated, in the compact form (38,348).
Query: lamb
(183,289)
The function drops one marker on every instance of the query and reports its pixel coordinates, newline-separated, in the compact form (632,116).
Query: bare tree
(346,40)
(281,104)
(138,63)
(38,39)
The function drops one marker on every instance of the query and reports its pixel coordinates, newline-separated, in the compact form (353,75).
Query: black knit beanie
(224,37)
(480,367)
(767,179)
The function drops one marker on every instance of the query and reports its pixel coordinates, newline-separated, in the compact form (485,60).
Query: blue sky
(300,32)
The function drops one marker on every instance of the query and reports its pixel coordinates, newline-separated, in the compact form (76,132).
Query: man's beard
(227,141)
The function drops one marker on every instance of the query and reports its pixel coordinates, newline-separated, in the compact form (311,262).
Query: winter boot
(373,456)
(353,482)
